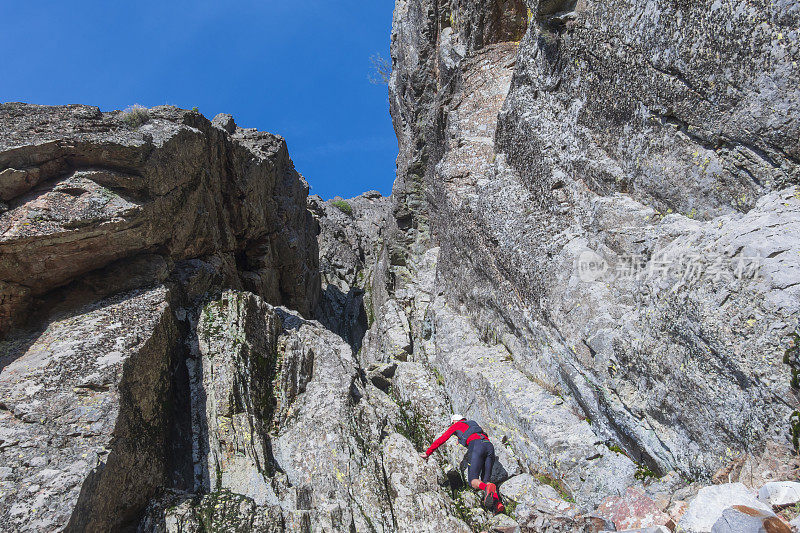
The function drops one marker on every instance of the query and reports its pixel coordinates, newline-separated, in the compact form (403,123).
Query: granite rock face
(289,432)
(592,249)
(99,203)
(350,238)
(117,228)
(611,191)
(82,409)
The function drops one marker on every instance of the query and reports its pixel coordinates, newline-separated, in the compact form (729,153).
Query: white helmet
(456,418)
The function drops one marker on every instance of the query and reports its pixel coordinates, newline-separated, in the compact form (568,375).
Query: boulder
(744,519)
(502,524)
(225,122)
(530,493)
(780,493)
(707,507)
(632,510)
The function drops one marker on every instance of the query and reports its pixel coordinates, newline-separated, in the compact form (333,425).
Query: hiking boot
(489,502)
(491,496)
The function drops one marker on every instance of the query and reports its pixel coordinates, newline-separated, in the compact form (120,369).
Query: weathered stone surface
(773,465)
(743,519)
(82,408)
(632,510)
(233,396)
(708,506)
(349,243)
(417,504)
(610,128)
(584,524)
(225,122)
(286,420)
(545,433)
(676,510)
(547,150)
(100,191)
(390,339)
(502,524)
(667,491)
(176,512)
(527,491)
(656,529)
(780,493)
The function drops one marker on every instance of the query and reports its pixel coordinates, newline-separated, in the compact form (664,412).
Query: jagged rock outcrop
(85,437)
(114,231)
(99,203)
(351,233)
(287,427)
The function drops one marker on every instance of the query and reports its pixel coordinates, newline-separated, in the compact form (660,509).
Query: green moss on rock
(343,206)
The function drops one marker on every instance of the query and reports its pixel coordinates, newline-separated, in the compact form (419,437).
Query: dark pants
(480,460)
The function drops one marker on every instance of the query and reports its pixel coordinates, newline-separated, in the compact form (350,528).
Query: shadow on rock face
(344,314)
(15,347)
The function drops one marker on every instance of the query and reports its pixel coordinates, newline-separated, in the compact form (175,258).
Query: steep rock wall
(157,387)
(639,134)
(114,232)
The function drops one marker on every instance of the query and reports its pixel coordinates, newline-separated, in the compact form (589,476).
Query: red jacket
(458,426)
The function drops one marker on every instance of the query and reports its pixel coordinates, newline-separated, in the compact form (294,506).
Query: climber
(480,457)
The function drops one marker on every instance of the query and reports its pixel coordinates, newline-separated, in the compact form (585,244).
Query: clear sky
(297,68)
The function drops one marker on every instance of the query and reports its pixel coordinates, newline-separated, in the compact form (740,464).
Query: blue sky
(296,68)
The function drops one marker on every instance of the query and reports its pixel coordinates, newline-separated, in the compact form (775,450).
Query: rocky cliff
(592,248)
(602,201)
(116,229)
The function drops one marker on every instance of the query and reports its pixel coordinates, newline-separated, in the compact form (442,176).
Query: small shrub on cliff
(343,206)
(794,430)
(616,449)
(381,71)
(135,116)
(643,472)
